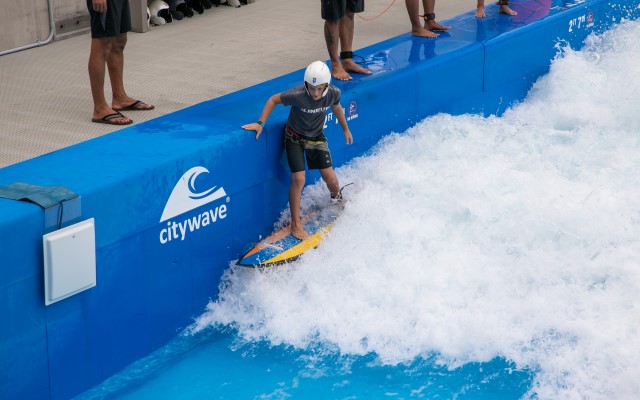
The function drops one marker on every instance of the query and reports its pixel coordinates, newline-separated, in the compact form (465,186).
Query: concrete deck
(45,100)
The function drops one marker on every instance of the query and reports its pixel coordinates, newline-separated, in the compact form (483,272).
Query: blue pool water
(477,258)
(222,367)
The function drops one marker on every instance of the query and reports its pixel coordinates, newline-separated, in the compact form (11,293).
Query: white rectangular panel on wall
(69,261)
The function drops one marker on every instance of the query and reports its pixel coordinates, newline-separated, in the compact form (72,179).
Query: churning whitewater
(469,238)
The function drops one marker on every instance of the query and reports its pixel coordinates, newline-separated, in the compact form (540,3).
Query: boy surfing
(303,135)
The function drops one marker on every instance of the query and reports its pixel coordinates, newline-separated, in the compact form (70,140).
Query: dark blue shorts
(315,151)
(335,9)
(114,22)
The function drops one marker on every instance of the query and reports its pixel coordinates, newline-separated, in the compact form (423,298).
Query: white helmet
(233,3)
(156,6)
(316,74)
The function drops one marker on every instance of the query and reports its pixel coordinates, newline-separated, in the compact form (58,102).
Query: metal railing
(52,30)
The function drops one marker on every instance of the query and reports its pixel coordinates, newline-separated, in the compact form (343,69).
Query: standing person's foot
(113,118)
(350,66)
(506,10)
(423,33)
(338,72)
(431,24)
(131,105)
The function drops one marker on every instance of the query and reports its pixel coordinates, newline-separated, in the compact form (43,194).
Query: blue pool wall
(148,291)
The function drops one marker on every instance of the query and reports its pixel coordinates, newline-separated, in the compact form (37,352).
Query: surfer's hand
(254,126)
(348,136)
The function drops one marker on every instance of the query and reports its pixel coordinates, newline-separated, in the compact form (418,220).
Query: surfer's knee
(298,179)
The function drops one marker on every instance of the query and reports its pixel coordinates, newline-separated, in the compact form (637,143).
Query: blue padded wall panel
(255,220)
(23,341)
(210,242)
(465,79)
(119,319)
(121,323)
(168,283)
(278,197)
(21,233)
(70,359)
(206,249)
(277,186)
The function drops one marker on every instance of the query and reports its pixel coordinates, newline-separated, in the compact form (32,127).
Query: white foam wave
(472,238)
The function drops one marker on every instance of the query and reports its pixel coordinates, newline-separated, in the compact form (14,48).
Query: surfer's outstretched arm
(339,113)
(266,111)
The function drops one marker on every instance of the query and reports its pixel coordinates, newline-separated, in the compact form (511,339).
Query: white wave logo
(184,197)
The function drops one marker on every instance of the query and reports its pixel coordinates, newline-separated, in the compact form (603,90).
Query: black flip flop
(134,107)
(107,119)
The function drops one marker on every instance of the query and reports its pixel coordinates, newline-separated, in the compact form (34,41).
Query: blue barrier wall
(154,274)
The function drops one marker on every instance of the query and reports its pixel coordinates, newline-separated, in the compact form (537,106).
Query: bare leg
(295,192)
(413,9)
(480,9)
(347,26)
(331,180)
(332,38)
(432,25)
(115,63)
(100,51)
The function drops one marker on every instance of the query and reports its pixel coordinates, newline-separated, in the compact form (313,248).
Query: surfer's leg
(319,157)
(295,192)
(331,179)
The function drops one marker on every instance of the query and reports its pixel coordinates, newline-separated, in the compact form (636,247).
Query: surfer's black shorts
(114,22)
(315,151)
(335,9)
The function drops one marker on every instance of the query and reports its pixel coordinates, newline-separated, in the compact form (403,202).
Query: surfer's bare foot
(299,233)
(338,72)
(480,12)
(350,66)
(421,32)
(506,10)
